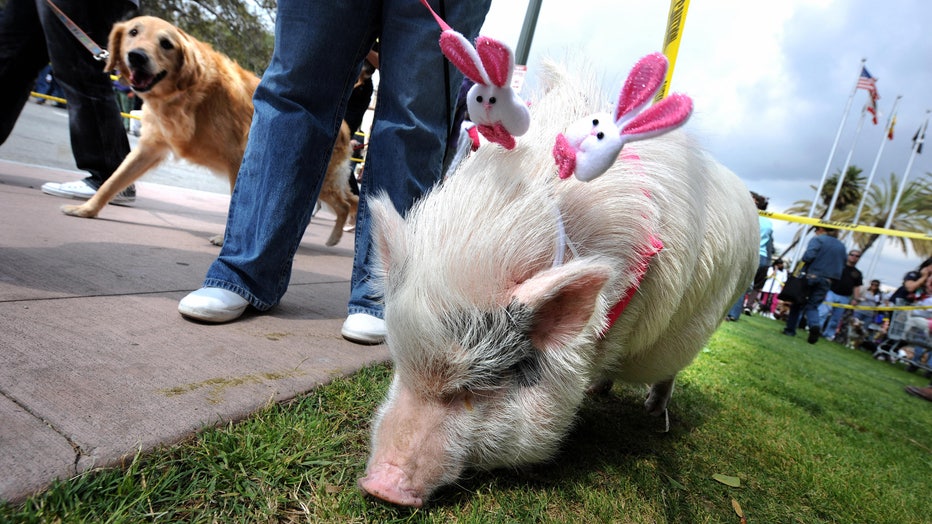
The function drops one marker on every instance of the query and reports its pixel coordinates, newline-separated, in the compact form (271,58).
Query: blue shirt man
(824,260)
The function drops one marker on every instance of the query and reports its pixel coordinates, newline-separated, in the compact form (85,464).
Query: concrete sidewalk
(95,361)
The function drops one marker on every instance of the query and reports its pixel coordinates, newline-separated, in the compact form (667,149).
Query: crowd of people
(835,305)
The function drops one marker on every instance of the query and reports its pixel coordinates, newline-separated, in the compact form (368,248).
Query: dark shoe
(813,336)
(911,368)
(925,392)
(789,333)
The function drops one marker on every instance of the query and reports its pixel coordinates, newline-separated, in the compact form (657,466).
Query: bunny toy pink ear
(589,147)
(498,111)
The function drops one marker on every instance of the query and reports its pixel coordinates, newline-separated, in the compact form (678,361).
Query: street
(41,137)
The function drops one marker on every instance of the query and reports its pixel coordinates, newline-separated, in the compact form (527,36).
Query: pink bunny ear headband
(499,113)
(590,146)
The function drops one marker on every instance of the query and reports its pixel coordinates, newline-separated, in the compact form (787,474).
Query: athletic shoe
(84,190)
(813,336)
(213,305)
(925,392)
(363,329)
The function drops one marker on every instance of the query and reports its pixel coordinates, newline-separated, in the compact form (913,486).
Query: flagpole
(883,143)
(844,170)
(828,164)
(920,137)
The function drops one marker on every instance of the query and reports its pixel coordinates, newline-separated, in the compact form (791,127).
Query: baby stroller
(907,328)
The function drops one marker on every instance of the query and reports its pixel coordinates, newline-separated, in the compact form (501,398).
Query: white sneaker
(78,189)
(83,190)
(212,304)
(363,329)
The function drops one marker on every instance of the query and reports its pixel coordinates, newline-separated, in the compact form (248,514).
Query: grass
(813,433)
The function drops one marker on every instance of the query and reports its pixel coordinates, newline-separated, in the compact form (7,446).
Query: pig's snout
(389,483)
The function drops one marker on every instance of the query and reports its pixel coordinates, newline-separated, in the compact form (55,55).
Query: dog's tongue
(140,79)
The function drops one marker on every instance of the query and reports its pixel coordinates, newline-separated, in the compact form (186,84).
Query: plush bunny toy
(499,113)
(591,145)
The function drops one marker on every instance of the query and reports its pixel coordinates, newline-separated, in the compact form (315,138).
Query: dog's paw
(216,240)
(78,211)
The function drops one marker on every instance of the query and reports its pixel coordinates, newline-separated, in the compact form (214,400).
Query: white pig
(499,287)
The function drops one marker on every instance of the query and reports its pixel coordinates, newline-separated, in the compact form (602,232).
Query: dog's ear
(114,47)
(191,68)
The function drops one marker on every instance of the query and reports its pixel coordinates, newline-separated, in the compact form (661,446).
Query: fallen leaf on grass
(727,480)
(734,504)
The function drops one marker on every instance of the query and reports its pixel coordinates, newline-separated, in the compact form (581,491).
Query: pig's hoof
(599,388)
(77,211)
(389,483)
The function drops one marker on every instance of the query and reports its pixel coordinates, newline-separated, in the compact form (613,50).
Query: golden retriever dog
(198,106)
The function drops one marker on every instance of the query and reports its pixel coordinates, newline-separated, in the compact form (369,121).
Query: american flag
(866,81)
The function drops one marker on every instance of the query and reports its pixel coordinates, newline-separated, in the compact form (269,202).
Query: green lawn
(813,434)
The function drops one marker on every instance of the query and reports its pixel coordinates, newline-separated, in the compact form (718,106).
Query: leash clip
(102,56)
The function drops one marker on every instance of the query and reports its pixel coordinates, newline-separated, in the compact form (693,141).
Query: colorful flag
(872,109)
(890,131)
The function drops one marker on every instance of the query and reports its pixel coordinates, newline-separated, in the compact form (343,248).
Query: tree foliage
(912,213)
(240,29)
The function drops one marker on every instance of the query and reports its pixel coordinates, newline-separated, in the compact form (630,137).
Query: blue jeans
(818,288)
(831,316)
(31,36)
(299,106)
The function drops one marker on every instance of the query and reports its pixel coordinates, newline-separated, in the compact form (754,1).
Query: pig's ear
(388,229)
(562,301)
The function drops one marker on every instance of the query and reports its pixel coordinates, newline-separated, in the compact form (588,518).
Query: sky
(770,83)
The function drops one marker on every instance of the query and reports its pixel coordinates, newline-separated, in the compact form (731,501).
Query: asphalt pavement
(96,364)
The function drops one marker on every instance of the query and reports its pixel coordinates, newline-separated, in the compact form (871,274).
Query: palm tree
(849,196)
(913,213)
(850,190)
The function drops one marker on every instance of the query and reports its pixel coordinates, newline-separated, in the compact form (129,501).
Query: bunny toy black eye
(479,99)
(595,121)
(492,100)
(600,135)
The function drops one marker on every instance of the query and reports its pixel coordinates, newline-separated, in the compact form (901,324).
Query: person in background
(824,260)
(765,252)
(299,107)
(31,36)
(845,290)
(773,285)
(356,108)
(870,297)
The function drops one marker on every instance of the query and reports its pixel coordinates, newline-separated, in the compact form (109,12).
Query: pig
(510,293)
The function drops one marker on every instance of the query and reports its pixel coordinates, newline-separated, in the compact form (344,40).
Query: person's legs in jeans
(412,121)
(818,288)
(98,139)
(299,106)
(835,317)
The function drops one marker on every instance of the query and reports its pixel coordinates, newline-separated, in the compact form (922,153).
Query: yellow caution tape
(842,225)
(878,308)
(63,101)
(671,41)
